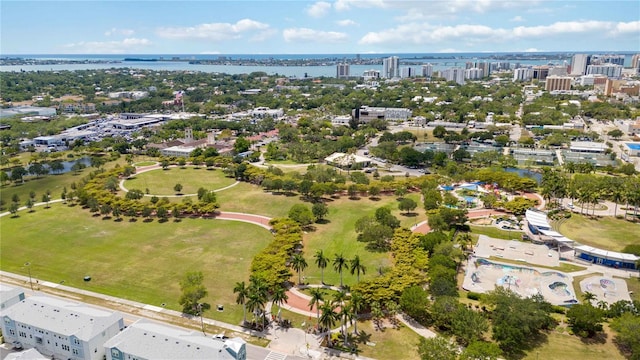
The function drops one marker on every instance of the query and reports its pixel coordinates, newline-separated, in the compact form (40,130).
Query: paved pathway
(144,169)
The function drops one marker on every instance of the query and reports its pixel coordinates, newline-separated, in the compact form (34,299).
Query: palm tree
(316,299)
(357,304)
(255,304)
(340,297)
(279,297)
(339,264)
(356,267)
(243,292)
(258,295)
(322,262)
(328,319)
(588,296)
(345,314)
(465,241)
(298,263)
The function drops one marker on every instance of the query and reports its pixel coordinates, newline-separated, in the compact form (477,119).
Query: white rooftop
(31,354)
(63,317)
(150,340)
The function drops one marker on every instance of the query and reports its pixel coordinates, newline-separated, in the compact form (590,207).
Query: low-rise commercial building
(59,328)
(145,339)
(10,295)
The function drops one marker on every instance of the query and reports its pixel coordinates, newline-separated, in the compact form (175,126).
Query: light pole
(201,319)
(28,265)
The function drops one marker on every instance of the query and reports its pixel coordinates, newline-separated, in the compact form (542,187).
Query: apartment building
(60,329)
(145,339)
(391,67)
(557,83)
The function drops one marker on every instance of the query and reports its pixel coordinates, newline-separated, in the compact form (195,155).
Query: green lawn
(161,182)
(390,343)
(496,233)
(339,236)
(252,199)
(562,346)
(138,261)
(54,183)
(605,232)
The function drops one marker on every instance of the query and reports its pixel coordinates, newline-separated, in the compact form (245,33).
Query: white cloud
(107,47)
(304,34)
(531,50)
(215,31)
(517,18)
(342,5)
(424,10)
(424,33)
(116,31)
(632,27)
(319,9)
(347,22)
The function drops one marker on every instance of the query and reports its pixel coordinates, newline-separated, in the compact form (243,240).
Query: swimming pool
(633,146)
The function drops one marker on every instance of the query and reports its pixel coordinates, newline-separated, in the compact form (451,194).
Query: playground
(607,289)
(482,276)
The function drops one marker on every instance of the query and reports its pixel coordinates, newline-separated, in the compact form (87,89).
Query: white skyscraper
(391,67)
(473,73)
(579,64)
(407,72)
(522,74)
(610,70)
(454,74)
(427,70)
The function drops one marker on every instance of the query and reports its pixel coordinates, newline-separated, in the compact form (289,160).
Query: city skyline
(316,27)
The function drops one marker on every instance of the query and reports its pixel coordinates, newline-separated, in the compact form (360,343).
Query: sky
(316,27)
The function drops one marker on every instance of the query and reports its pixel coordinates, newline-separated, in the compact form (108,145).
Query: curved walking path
(145,169)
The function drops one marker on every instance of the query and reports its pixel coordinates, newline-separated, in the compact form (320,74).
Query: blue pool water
(634,146)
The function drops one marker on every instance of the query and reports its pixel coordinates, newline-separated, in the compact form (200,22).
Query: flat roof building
(59,328)
(145,339)
(10,295)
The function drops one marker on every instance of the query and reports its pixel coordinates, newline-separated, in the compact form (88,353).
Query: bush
(473,295)
(559,309)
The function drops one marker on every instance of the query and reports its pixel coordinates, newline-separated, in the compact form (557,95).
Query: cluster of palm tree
(590,189)
(340,263)
(255,296)
(343,308)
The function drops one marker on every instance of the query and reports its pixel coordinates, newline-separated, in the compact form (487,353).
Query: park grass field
(161,182)
(252,199)
(562,346)
(339,236)
(389,343)
(134,260)
(605,233)
(494,232)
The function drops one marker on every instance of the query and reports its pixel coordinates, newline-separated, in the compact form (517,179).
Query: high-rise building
(453,74)
(342,71)
(427,70)
(522,74)
(608,59)
(407,72)
(371,75)
(559,70)
(391,67)
(610,70)
(579,64)
(635,62)
(540,72)
(473,74)
(554,83)
(486,69)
